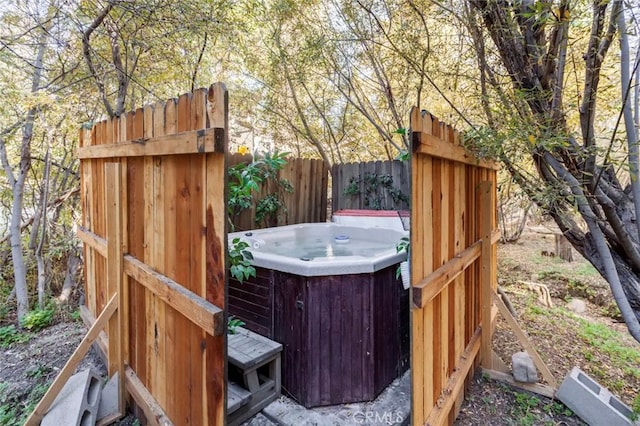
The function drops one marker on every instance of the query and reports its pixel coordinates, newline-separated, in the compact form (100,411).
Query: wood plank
(115,275)
(119,134)
(156,261)
(537,388)
(216,240)
(149,338)
(447,232)
(498,364)
(40,410)
(431,285)
(487,273)
(218,106)
(93,241)
(188,142)
(437,379)
(153,412)
(167,168)
(459,216)
(429,359)
(135,236)
(247,349)
(236,398)
(417,273)
(197,240)
(195,308)
(524,340)
(436,147)
(184,382)
(454,385)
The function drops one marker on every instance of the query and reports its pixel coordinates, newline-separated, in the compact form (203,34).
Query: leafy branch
(240,260)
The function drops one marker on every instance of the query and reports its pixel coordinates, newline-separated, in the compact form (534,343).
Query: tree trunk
(44,197)
(19,268)
(70,282)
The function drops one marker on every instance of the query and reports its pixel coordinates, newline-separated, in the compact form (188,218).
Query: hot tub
(329,294)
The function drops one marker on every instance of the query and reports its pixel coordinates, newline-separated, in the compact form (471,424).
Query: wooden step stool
(256,359)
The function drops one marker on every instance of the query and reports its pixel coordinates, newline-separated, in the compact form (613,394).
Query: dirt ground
(595,341)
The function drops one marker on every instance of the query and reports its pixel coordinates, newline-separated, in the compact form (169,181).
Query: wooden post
(563,248)
(115,273)
(486,209)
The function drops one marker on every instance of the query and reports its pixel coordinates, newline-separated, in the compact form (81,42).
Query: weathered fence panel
(374,185)
(171,158)
(452,257)
(307,202)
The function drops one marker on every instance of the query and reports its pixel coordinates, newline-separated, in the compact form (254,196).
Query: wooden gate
(453,266)
(154,228)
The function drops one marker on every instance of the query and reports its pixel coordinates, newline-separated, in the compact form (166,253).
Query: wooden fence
(453,267)
(154,228)
(375,185)
(307,203)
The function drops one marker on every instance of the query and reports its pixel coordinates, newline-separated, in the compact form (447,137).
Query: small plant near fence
(240,260)
(246,180)
(374,187)
(233,324)
(9,334)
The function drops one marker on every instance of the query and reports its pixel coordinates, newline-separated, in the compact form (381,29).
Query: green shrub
(38,319)
(9,334)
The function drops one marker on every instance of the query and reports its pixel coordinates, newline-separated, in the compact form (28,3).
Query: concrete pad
(259,420)
(77,403)
(591,402)
(392,407)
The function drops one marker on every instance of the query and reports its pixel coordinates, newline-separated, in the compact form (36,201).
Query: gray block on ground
(591,402)
(523,368)
(109,399)
(77,403)
(578,306)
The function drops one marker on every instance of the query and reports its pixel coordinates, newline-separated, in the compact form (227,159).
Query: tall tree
(41,21)
(592,196)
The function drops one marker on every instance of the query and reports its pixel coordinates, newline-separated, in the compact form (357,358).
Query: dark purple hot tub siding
(252,302)
(345,338)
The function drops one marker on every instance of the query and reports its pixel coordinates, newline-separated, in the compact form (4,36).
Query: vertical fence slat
(149,245)
(215,249)
(115,274)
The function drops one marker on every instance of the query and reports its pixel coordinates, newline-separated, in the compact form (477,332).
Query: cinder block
(108,406)
(592,402)
(77,403)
